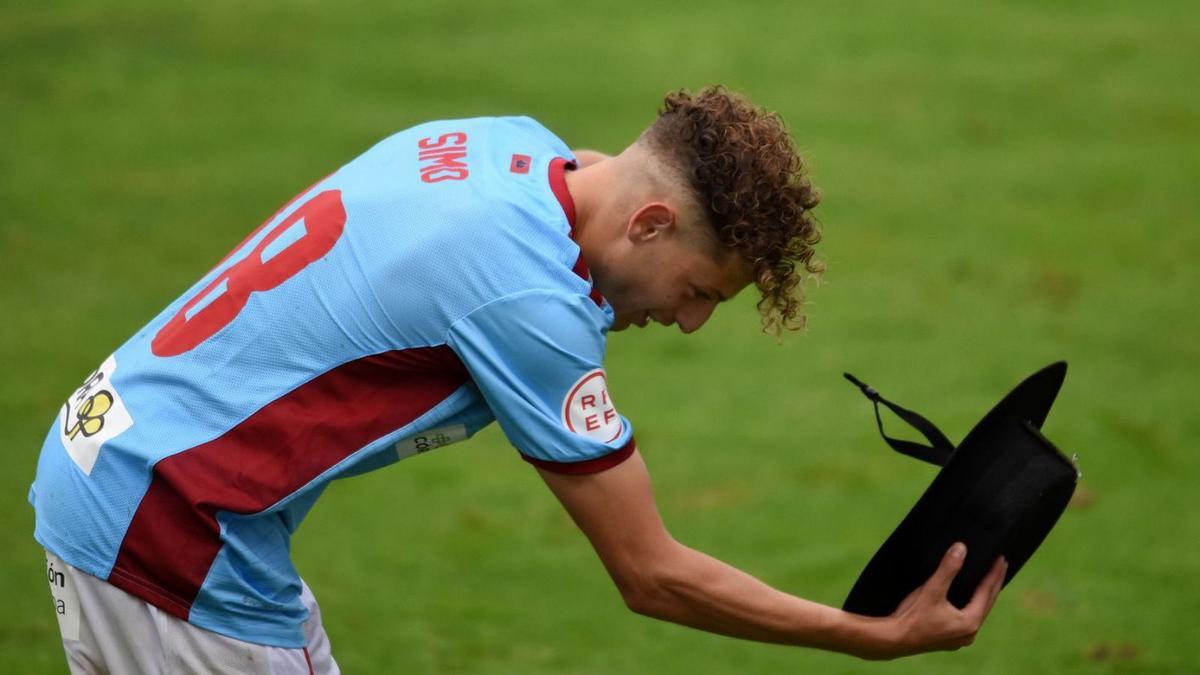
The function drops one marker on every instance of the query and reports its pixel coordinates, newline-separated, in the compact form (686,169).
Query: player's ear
(652,221)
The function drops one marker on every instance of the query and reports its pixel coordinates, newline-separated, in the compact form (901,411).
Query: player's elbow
(630,581)
(645,600)
(646,588)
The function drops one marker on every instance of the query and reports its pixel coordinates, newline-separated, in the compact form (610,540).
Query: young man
(458,272)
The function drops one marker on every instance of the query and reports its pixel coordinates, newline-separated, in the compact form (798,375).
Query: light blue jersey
(400,304)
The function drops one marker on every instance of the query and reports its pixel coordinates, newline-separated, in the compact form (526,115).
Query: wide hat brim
(1000,492)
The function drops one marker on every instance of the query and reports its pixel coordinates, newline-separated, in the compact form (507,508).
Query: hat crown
(1029,401)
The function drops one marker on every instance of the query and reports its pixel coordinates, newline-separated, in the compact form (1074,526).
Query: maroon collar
(558,185)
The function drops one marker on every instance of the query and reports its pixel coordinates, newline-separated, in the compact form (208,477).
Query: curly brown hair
(744,171)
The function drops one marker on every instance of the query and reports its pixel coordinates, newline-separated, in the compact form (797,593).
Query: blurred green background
(1006,184)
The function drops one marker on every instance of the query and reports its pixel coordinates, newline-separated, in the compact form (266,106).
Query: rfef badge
(589,411)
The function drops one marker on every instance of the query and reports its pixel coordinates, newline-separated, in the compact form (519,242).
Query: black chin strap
(939,449)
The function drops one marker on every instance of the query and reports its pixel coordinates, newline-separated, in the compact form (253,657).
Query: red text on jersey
(443,158)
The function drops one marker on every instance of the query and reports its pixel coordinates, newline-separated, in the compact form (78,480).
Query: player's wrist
(871,638)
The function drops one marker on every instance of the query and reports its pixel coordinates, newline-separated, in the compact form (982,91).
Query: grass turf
(1006,184)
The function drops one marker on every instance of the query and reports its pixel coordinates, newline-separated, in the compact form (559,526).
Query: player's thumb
(951,563)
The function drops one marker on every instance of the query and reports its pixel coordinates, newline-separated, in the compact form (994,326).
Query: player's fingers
(952,562)
(1001,571)
(985,595)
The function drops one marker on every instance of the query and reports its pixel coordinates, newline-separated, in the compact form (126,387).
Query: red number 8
(324,218)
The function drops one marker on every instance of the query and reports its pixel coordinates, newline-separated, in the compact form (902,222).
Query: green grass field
(1006,184)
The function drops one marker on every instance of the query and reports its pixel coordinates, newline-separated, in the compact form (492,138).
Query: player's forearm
(696,590)
(661,578)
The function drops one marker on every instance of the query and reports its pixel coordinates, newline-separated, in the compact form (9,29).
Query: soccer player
(458,272)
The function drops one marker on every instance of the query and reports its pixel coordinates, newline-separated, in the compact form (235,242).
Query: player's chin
(623,321)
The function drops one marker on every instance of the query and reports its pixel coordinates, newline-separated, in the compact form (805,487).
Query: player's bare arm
(711,199)
(662,578)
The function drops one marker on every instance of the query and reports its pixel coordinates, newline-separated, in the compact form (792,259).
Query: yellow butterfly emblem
(89,417)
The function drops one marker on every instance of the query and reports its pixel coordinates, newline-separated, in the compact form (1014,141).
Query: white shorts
(106,630)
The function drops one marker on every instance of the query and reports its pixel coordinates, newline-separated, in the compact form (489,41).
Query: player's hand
(926,621)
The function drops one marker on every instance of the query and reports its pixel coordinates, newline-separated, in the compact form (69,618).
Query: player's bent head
(743,174)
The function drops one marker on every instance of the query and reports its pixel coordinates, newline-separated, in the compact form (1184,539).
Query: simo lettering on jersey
(589,411)
(93,415)
(443,158)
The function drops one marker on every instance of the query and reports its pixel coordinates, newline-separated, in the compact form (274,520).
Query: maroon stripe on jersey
(174,535)
(595,465)
(558,185)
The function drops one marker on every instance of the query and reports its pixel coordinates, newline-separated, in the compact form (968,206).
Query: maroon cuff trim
(595,465)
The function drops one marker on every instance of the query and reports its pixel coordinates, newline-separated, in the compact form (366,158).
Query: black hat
(1000,492)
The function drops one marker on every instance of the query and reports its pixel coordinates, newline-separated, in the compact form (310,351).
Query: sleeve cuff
(594,465)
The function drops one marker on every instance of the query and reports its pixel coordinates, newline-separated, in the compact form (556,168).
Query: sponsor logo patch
(64,596)
(431,440)
(92,416)
(589,411)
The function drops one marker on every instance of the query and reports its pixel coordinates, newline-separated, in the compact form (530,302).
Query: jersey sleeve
(537,358)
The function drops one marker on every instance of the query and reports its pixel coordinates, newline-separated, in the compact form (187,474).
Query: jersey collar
(558,185)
